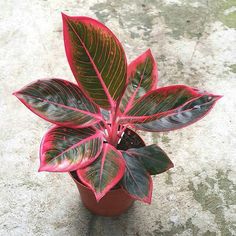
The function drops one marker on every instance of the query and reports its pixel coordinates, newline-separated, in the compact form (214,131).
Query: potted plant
(93,136)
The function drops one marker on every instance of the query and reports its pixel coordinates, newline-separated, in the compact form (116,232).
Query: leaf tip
(64,16)
(171,165)
(147,199)
(99,195)
(42,168)
(219,97)
(15,93)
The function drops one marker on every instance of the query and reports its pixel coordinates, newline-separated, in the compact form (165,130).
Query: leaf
(159,103)
(96,58)
(142,77)
(130,139)
(60,102)
(186,115)
(154,159)
(105,172)
(65,149)
(136,180)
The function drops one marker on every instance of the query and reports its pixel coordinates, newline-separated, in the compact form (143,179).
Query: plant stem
(113,134)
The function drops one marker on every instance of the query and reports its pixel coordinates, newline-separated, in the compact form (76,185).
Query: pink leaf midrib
(129,105)
(102,166)
(135,182)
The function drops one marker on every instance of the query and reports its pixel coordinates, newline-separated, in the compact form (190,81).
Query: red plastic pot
(114,203)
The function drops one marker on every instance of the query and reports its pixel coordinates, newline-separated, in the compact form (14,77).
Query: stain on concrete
(180,65)
(169,179)
(188,228)
(161,138)
(155,138)
(209,233)
(192,25)
(225,11)
(165,139)
(139,22)
(198,14)
(233,68)
(216,195)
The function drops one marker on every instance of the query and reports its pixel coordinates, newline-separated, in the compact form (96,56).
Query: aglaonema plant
(91,118)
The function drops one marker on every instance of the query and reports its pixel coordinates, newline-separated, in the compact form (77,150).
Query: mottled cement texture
(194,43)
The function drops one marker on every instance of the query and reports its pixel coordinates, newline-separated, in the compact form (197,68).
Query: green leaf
(96,58)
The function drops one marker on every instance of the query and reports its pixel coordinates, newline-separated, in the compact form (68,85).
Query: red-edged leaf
(105,172)
(159,103)
(186,115)
(136,180)
(96,58)
(60,102)
(154,159)
(66,149)
(142,77)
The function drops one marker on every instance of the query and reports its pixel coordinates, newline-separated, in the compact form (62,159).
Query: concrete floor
(194,43)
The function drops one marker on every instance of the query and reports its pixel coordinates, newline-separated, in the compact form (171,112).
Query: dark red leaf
(60,102)
(154,159)
(159,103)
(136,180)
(130,139)
(186,115)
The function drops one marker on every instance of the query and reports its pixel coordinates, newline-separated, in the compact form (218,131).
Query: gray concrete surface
(194,43)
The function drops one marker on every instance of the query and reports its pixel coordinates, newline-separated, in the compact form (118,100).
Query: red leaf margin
(120,174)
(132,68)
(147,199)
(217,97)
(69,56)
(145,118)
(43,164)
(97,115)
